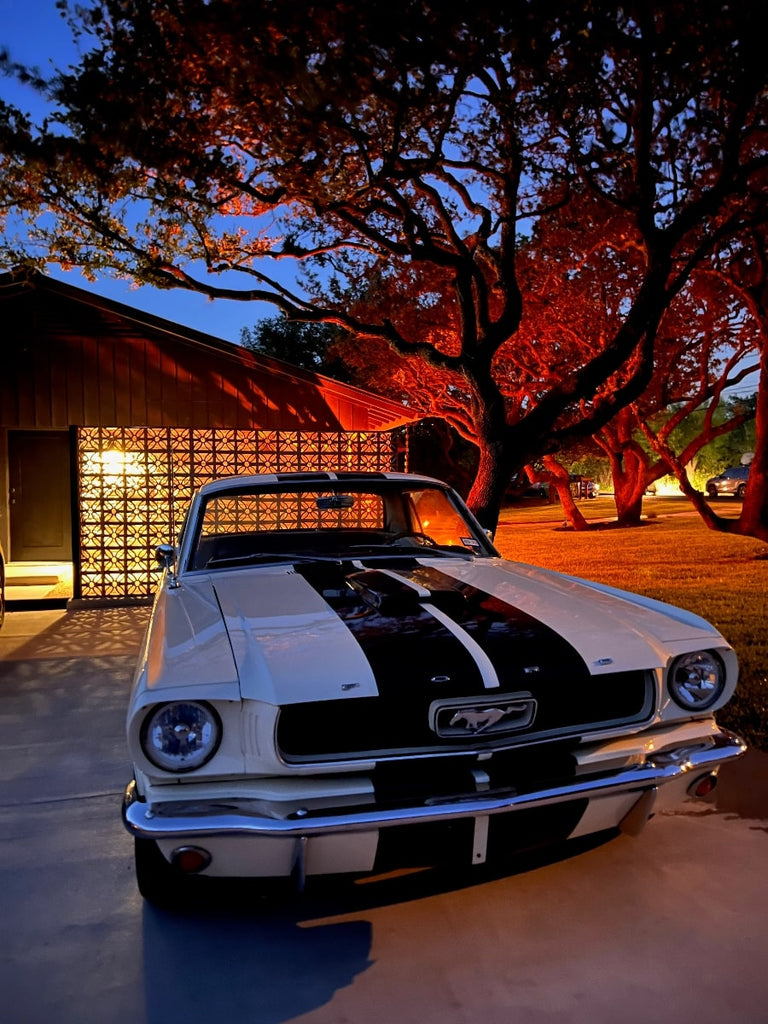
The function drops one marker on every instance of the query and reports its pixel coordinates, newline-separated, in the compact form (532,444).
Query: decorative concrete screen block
(134,484)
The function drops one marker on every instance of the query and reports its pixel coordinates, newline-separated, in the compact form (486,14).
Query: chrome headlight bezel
(193,727)
(696,681)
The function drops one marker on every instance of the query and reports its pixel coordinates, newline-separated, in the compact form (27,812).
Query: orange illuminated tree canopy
(410,155)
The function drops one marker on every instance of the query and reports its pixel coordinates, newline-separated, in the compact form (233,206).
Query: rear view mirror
(333,501)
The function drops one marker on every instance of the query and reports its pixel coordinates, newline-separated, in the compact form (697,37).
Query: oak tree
(211,144)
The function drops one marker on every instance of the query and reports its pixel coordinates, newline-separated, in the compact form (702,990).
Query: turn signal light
(190,860)
(703,786)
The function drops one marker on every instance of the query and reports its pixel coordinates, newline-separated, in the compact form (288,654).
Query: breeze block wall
(134,485)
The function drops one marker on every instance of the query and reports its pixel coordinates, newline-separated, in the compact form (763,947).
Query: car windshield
(332,519)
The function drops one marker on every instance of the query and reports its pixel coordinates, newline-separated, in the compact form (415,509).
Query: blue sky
(34,32)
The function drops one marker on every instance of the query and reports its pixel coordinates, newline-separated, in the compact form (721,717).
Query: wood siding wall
(69,359)
(65,362)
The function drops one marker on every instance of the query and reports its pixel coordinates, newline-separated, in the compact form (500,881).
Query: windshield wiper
(390,551)
(264,556)
(361,551)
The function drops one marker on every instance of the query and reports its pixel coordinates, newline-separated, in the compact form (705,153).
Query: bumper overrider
(256,837)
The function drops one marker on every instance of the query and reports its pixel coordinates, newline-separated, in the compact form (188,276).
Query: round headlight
(697,680)
(182,736)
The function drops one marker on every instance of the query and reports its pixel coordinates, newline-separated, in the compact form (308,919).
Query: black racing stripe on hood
(390,613)
(523,650)
(410,651)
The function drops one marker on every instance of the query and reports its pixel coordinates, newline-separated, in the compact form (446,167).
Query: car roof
(349,477)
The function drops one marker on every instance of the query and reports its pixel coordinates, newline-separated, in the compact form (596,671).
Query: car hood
(289,644)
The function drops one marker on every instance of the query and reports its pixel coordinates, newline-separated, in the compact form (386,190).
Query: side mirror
(165,556)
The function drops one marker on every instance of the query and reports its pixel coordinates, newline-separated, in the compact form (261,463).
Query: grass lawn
(673,557)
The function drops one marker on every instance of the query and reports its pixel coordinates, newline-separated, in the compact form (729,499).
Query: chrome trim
(201,818)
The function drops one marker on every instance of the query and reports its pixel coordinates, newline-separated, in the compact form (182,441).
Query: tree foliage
(210,144)
(707,344)
(309,346)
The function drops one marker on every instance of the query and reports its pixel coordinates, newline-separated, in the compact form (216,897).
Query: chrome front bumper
(197,820)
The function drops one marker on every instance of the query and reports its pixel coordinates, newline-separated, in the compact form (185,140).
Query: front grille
(390,727)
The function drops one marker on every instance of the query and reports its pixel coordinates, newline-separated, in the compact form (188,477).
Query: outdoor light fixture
(117,464)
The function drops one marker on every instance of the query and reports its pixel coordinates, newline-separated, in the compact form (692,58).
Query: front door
(40,510)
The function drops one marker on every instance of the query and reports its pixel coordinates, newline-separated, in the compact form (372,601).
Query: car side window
(436,517)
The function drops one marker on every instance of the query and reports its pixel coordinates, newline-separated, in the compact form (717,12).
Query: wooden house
(110,417)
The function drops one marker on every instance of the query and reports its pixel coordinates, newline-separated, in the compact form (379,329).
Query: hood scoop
(392,596)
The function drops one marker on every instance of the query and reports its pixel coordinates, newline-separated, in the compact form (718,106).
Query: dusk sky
(34,33)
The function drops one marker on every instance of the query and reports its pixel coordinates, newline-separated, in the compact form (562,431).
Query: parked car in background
(540,489)
(580,487)
(732,481)
(584,487)
(342,675)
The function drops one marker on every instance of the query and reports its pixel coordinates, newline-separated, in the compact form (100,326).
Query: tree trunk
(629,475)
(494,472)
(753,521)
(501,452)
(629,505)
(754,513)
(562,481)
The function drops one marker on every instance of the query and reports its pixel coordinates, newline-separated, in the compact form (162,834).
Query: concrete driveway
(671,926)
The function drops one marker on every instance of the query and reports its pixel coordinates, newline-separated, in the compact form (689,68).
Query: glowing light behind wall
(113,465)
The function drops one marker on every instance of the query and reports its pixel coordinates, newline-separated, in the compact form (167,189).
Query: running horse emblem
(477,720)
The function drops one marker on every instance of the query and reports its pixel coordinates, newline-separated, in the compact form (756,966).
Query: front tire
(741,490)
